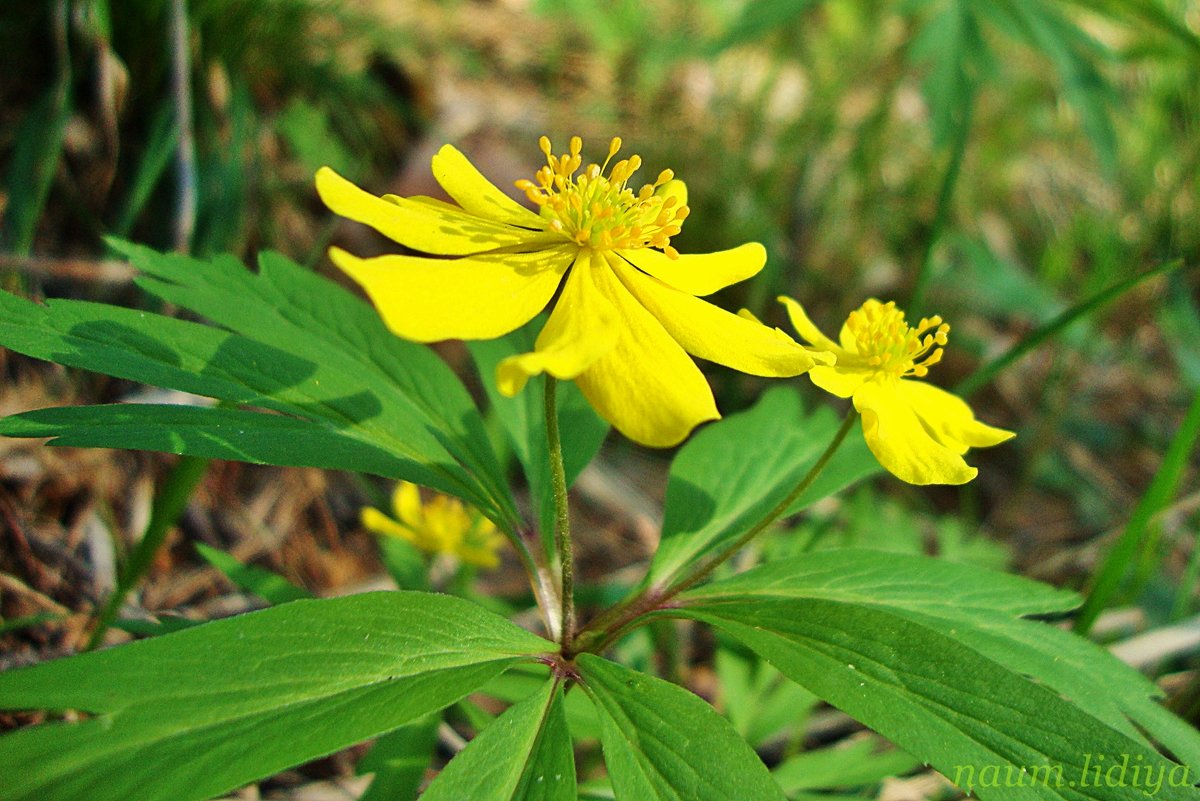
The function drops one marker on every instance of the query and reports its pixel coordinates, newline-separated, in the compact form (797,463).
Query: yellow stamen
(601,211)
(885,341)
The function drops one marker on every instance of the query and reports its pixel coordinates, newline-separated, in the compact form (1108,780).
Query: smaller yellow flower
(442,525)
(917,431)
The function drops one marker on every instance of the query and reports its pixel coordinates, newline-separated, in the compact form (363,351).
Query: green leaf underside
(398,760)
(271,587)
(524,755)
(944,676)
(582,430)
(662,743)
(982,610)
(296,344)
(718,487)
(193,714)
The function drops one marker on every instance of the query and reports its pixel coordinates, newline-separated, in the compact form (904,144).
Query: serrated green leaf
(662,743)
(271,587)
(734,471)
(934,656)
(294,309)
(581,430)
(523,755)
(187,716)
(298,344)
(398,760)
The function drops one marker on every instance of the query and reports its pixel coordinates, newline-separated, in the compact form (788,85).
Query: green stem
(607,628)
(172,499)
(562,517)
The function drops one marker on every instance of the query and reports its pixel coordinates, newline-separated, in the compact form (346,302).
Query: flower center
(888,343)
(600,211)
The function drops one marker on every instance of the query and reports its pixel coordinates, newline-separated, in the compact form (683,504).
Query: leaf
(733,472)
(398,760)
(297,344)
(759,18)
(306,129)
(931,655)
(662,743)
(523,755)
(190,715)
(162,142)
(951,43)
(271,587)
(204,431)
(581,430)
(1153,14)
(859,763)
(1072,51)
(757,700)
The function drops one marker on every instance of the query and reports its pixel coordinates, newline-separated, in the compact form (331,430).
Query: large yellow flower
(441,526)
(917,431)
(628,307)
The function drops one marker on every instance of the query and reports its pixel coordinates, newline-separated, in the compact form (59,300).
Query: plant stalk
(172,499)
(562,517)
(608,627)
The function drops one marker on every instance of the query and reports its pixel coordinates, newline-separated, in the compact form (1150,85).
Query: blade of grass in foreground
(987,372)
(1134,539)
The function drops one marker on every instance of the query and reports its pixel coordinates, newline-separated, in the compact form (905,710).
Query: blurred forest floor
(1003,162)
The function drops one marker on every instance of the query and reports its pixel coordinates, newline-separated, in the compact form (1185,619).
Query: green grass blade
(1134,539)
(1052,328)
(39,144)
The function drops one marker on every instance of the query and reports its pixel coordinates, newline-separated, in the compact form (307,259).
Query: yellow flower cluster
(629,308)
(442,525)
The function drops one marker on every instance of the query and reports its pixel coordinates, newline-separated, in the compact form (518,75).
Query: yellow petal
(421,226)
(582,327)
(406,503)
(476,193)
(899,441)
(476,297)
(805,327)
(712,333)
(700,273)
(674,188)
(950,419)
(377,522)
(840,381)
(646,386)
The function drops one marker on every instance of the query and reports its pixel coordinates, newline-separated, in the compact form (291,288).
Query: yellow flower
(443,525)
(628,305)
(917,431)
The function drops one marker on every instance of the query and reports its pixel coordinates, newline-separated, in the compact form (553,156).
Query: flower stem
(562,518)
(605,629)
